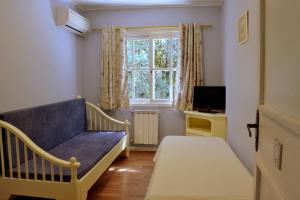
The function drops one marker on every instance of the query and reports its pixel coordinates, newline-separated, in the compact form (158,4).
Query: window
(152,64)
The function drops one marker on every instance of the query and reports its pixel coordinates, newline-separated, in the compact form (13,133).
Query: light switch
(277,153)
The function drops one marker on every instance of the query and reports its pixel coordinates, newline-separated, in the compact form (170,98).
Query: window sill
(152,105)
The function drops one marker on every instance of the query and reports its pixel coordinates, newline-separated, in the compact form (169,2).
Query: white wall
(241,65)
(39,62)
(172,122)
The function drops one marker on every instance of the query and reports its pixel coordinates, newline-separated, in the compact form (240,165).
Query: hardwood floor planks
(126,179)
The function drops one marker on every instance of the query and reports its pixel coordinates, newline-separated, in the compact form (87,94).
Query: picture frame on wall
(243,28)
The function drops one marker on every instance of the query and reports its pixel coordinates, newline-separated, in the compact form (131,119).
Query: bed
(202,168)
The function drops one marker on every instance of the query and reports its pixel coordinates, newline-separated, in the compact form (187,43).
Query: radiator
(146,126)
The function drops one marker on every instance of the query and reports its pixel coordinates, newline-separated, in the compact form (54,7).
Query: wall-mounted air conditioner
(71,20)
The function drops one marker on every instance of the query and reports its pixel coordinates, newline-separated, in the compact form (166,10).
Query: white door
(278,156)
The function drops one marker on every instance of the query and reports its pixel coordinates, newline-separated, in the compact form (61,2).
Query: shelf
(199,123)
(198,131)
(205,124)
(202,114)
(204,130)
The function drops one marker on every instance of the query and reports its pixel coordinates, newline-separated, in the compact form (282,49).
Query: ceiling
(87,5)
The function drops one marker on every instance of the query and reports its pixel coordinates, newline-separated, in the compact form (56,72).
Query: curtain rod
(144,27)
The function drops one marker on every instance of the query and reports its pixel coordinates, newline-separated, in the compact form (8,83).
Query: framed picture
(243,29)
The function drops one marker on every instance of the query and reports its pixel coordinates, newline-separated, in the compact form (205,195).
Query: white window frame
(152,35)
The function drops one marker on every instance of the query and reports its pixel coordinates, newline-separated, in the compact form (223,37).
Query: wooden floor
(126,179)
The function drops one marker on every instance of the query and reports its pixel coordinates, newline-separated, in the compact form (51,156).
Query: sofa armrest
(9,135)
(98,120)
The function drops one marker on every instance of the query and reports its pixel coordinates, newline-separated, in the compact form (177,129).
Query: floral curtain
(190,66)
(114,86)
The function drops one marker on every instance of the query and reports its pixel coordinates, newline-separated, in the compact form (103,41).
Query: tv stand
(206,124)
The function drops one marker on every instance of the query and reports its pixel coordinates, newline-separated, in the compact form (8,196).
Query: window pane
(142,85)
(130,84)
(141,52)
(174,83)
(130,54)
(174,52)
(162,85)
(162,53)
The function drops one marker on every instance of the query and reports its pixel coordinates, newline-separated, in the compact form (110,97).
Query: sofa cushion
(88,147)
(48,125)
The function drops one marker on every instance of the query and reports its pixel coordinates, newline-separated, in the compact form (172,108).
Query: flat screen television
(211,99)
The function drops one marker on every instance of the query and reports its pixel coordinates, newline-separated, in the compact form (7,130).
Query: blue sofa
(74,132)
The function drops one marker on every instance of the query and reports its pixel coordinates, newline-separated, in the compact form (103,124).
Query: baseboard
(143,148)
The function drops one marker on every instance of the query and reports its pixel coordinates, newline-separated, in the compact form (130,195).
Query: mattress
(202,168)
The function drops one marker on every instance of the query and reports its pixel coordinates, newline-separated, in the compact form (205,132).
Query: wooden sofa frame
(75,189)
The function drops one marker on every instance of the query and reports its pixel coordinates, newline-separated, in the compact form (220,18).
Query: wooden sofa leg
(83,196)
(74,196)
(125,153)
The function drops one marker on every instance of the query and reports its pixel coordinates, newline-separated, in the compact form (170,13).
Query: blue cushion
(48,125)
(88,147)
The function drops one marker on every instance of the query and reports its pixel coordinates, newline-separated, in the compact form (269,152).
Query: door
(277,175)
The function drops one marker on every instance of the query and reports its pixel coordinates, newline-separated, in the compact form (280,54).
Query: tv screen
(210,99)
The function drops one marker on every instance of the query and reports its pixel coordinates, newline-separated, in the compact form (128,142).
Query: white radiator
(146,126)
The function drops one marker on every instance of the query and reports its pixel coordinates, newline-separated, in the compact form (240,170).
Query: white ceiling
(117,4)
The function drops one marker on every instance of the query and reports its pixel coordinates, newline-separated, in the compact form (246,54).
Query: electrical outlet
(277,153)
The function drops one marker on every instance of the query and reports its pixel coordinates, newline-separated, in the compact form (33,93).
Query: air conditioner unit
(71,20)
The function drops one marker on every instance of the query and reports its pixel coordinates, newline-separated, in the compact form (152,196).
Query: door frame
(261,50)
(261,79)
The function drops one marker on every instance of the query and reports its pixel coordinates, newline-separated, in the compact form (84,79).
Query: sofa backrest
(49,125)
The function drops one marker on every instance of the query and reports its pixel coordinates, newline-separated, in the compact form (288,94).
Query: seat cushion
(88,147)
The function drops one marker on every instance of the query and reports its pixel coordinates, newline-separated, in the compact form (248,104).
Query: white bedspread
(198,168)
